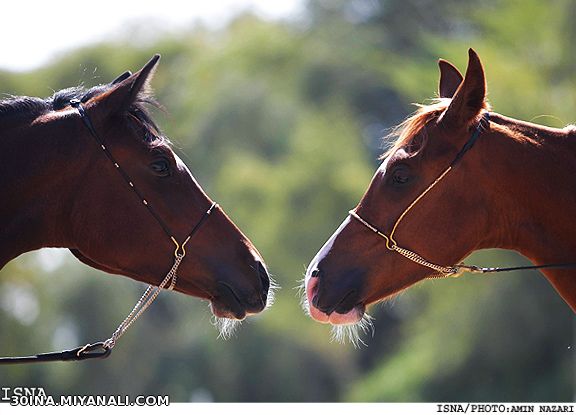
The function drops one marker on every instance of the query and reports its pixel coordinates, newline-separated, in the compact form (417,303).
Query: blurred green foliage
(281,123)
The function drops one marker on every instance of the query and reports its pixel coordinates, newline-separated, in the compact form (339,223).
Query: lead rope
(144,302)
(103,349)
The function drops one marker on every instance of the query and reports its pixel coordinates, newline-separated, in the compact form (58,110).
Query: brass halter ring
(179,247)
(180,250)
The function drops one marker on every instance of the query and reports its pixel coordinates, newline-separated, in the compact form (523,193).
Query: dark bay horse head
(472,207)
(61,190)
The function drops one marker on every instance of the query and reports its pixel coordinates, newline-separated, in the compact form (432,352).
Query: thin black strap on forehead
(482,126)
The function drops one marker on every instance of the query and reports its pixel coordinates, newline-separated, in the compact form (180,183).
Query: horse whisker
(353,332)
(226,326)
(341,333)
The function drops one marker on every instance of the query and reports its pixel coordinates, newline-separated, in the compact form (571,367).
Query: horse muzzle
(332,305)
(236,301)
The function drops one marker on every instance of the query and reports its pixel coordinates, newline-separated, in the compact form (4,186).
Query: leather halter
(104,348)
(458,269)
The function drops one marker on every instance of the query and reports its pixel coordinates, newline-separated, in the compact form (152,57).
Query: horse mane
(15,105)
(33,107)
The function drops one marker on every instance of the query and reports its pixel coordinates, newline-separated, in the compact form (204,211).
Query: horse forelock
(403,134)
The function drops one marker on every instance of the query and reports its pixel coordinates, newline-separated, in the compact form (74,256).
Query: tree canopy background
(282,123)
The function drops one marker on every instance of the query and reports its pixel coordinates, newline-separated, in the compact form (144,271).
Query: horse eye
(161,167)
(400,176)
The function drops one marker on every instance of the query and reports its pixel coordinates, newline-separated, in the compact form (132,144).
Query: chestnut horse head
(60,190)
(437,197)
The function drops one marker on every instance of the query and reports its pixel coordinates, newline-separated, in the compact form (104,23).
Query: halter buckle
(456,272)
(473,269)
(93,351)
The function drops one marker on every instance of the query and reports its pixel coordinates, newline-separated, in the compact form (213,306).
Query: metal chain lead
(413,256)
(144,302)
(152,291)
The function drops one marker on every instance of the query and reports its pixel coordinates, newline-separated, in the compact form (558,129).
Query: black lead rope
(491,270)
(90,351)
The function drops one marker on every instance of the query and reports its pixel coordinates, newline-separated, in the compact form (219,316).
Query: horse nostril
(264,278)
(315,274)
(313,286)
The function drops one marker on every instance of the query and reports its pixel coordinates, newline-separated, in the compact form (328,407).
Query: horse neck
(37,165)
(535,179)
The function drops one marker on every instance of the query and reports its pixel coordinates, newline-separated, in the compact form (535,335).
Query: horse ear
(121,78)
(450,79)
(470,97)
(126,89)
